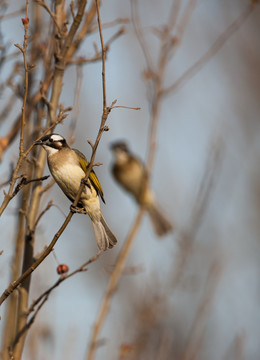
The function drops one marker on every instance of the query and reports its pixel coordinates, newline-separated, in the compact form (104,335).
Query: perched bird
(68,167)
(131,174)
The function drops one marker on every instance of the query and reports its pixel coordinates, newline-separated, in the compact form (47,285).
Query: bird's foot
(76,209)
(85,182)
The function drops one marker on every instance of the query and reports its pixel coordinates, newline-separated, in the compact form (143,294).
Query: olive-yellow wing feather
(92,177)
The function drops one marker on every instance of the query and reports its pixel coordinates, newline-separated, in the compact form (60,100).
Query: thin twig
(12,14)
(103,57)
(215,47)
(11,136)
(121,260)
(197,331)
(110,24)
(126,107)
(52,15)
(83,31)
(9,196)
(24,181)
(23,50)
(12,286)
(48,206)
(41,300)
(76,101)
(140,35)
(62,278)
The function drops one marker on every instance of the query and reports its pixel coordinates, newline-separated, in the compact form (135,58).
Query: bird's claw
(76,209)
(84,182)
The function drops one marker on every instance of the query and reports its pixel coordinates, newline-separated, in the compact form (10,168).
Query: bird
(129,171)
(68,167)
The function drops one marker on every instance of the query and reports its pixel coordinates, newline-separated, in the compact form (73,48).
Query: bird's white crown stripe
(56,137)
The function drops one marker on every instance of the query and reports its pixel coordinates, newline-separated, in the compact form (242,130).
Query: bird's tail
(104,236)
(161,225)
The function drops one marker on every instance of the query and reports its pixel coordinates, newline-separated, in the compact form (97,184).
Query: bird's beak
(39,142)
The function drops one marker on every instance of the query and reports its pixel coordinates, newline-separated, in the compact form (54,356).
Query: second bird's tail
(161,225)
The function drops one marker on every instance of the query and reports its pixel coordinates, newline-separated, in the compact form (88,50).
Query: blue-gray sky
(217,109)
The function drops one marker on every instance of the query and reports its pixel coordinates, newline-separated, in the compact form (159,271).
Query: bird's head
(120,151)
(52,143)
(119,146)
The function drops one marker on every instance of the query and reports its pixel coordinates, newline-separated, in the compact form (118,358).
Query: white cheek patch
(50,150)
(56,137)
(121,156)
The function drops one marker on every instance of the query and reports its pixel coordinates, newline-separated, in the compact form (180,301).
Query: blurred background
(195,293)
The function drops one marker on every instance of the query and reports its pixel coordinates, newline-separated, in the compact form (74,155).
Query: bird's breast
(131,176)
(68,176)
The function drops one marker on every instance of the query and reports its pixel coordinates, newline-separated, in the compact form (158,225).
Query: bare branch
(23,50)
(140,35)
(103,58)
(24,181)
(215,47)
(125,107)
(42,299)
(52,15)
(9,196)
(48,206)
(158,78)
(12,286)
(110,24)
(12,14)
(113,281)
(198,327)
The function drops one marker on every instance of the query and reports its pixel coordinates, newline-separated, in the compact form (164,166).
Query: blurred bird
(131,174)
(68,167)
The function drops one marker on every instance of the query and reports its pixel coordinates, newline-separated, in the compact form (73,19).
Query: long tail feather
(104,236)
(161,225)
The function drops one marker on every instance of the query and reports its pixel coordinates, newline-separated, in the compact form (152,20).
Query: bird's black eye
(51,140)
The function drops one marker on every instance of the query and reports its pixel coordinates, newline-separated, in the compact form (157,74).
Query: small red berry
(25,20)
(125,350)
(62,269)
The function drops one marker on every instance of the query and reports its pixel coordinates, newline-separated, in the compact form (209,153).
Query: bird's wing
(92,177)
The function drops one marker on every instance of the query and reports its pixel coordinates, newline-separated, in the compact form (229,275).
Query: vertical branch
(59,63)
(156,101)
(24,49)
(61,54)
(112,285)
(11,313)
(83,31)
(12,286)
(174,13)
(195,338)
(140,36)
(14,305)
(185,18)
(35,198)
(123,255)
(11,310)
(15,316)
(211,52)
(168,44)
(76,102)
(103,57)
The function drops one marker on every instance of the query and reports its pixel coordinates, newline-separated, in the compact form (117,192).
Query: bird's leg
(77,209)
